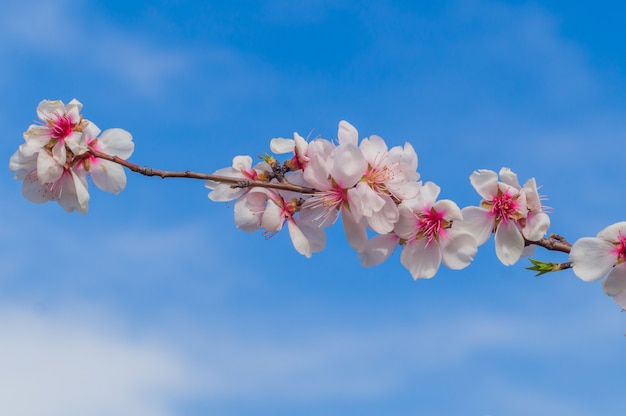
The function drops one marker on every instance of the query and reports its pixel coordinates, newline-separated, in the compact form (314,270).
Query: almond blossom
(107,175)
(306,239)
(241,168)
(512,212)
(69,187)
(334,172)
(428,227)
(594,257)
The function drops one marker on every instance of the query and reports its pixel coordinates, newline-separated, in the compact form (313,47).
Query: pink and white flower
(62,126)
(69,188)
(594,257)
(297,145)
(513,213)
(108,176)
(306,239)
(334,172)
(429,228)
(242,169)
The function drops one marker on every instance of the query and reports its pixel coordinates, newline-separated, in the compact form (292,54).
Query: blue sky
(154,304)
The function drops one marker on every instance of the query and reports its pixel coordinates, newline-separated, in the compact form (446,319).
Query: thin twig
(235,182)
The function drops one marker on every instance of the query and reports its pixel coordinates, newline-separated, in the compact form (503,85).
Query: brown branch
(235,182)
(554,243)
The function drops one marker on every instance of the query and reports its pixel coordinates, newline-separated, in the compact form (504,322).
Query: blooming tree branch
(376,191)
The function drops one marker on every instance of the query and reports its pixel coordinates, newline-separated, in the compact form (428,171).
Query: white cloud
(73,364)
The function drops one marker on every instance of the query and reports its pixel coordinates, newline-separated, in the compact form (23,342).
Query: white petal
(378,249)
(509,243)
(273,218)
(34,191)
(242,163)
(37,136)
(223,193)
(280,145)
(116,142)
(347,134)
(612,232)
(509,178)
(537,224)
(306,240)
(50,110)
(48,169)
(532,195)
(74,195)
(615,285)
(421,259)
(486,183)
(459,250)
(108,176)
(592,258)
(477,221)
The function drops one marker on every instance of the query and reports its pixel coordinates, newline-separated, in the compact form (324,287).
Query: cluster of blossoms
(375,190)
(55,160)
(382,203)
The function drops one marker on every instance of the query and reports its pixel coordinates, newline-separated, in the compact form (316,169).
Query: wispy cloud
(74,363)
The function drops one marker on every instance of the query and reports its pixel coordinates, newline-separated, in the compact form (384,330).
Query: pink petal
(355,231)
(592,258)
(249,210)
(374,150)
(385,219)
(349,165)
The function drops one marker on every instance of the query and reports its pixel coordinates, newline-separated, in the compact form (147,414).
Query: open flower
(593,257)
(108,176)
(241,169)
(514,213)
(431,239)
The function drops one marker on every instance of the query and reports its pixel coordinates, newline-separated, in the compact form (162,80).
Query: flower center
(620,248)
(503,207)
(61,128)
(431,225)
